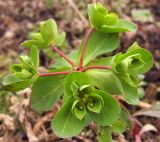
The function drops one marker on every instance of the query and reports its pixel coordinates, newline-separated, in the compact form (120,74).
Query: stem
(81,70)
(84,47)
(63,55)
(96,67)
(138,138)
(54,73)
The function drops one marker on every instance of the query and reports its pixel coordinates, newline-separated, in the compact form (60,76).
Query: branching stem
(81,70)
(54,73)
(63,55)
(96,67)
(84,47)
(75,67)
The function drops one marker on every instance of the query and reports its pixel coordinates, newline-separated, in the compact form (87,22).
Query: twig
(96,67)
(54,73)
(29,131)
(63,55)
(84,46)
(44,119)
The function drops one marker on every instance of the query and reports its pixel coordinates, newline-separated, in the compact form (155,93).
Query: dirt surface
(18,18)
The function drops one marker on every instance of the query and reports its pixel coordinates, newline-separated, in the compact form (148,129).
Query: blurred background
(18,18)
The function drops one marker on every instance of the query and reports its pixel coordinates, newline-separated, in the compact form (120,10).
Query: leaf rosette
(84,104)
(85,100)
(23,74)
(132,63)
(106,22)
(47,35)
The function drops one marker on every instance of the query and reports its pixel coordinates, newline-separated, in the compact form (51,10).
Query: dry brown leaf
(153,111)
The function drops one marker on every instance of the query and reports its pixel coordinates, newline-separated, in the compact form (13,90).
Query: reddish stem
(63,55)
(54,73)
(96,67)
(84,47)
(135,129)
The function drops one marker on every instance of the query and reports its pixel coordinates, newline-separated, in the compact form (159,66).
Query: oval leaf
(12,83)
(79,78)
(46,91)
(99,43)
(78,109)
(110,111)
(34,54)
(65,124)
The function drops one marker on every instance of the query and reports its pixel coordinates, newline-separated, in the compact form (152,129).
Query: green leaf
(13,83)
(121,26)
(78,77)
(105,80)
(16,68)
(25,68)
(95,103)
(65,124)
(96,14)
(84,87)
(48,34)
(126,116)
(37,43)
(128,64)
(60,39)
(118,127)
(46,91)
(23,74)
(111,19)
(104,134)
(131,95)
(26,62)
(37,36)
(137,60)
(78,109)
(61,63)
(146,57)
(75,90)
(34,54)
(110,111)
(123,123)
(104,61)
(106,22)
(128,78)
(121,66)
(48,29)
(99,43)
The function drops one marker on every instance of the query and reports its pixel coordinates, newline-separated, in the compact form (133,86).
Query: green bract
(106,22)
(23,74)
(86,81)
(124,76)
(132,63)
(84,105)
(137,57)
(83,94)
(48,35)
